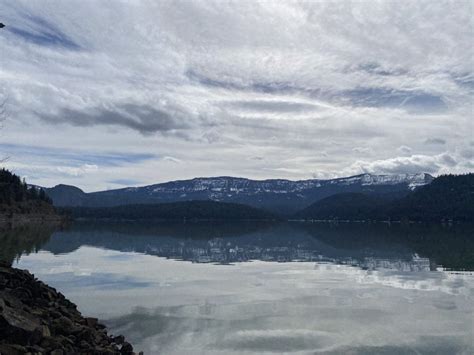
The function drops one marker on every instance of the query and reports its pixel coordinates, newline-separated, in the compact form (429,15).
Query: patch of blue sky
(110,281)
(74,158)
(417,102)
(39,31)
(125,182)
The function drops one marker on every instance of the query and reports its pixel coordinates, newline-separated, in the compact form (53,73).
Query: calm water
(251,288)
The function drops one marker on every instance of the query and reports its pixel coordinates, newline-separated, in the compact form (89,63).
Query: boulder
(37,319)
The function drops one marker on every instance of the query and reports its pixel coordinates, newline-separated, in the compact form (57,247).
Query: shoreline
(14,220)
(37,319)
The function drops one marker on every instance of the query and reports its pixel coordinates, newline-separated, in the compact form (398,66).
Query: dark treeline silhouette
(198,210)
(18,198)
(448,197)
(14,190)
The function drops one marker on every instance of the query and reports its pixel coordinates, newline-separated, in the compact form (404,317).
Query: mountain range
(275,195)
(448,198)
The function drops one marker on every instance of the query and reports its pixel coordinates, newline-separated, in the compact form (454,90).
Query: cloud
(78,171)
(413,164)
(362,150)
(72,157)
(144,119)
(439,141)
(125,182)
(404,149)
(273,106)
(172,160)
(213,82)
(39,31)
(412,101)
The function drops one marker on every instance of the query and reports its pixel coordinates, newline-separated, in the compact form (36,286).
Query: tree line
(14,190)
(448,197)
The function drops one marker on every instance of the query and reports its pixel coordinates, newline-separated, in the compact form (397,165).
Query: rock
(126,348)
(91,322)
(84,345)
(38,349)
(19,326)
(119,339)
(36,319)
(50,343)
(22,293)
(12,349)
(45,332)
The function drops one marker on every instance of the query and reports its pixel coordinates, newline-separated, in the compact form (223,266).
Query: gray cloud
(433,164)
(273,106)
(377,69)
(416,102)
(217,82)
(404,149)
(439,141)
(250,85)
(41,32)
(144,119)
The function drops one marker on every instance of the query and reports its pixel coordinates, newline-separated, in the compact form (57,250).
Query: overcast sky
(103,94)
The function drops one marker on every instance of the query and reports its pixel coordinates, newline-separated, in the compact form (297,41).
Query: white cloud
(79,171)
(172,160)
(404,149)
(216,82)
(437,164)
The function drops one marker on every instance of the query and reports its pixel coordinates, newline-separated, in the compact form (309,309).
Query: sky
(102,94)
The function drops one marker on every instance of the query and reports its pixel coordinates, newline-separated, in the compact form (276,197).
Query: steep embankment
(20,203)
(36,319)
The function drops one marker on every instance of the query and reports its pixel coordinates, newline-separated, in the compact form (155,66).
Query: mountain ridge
(448,197)
(276,195)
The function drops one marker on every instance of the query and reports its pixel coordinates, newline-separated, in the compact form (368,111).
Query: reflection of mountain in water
(369,246)
(451,246)
(366,245)
(219,250)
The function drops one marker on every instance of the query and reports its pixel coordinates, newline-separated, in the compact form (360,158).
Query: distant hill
(345,206)
(17,198)
(66,195)
(277,195)
(448,197)
(192,210)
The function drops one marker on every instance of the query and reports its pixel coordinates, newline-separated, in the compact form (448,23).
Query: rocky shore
(37,319)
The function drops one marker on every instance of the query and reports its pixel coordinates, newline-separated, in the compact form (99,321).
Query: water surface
(253,288)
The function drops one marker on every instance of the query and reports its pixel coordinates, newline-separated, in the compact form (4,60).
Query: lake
(256,288)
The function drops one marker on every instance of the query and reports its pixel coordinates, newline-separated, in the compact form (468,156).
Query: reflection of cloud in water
(105,281)
(296,326)
(257,307)
(422,281)
(278,340)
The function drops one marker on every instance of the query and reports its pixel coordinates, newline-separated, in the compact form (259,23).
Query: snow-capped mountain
(275,194)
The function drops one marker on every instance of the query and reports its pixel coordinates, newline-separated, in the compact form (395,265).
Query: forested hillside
(16,197)
(448,197)
(198,210)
